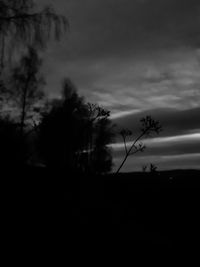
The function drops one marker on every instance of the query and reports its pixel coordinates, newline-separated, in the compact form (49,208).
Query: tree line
(65,133)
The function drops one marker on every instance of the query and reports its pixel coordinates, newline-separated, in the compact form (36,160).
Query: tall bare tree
(25,84)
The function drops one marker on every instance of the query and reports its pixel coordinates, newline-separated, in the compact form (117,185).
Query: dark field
(47,211)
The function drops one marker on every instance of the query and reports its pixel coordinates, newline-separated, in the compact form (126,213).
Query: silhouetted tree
(101,154)
(97,122)
(70,133)
(24,88)
(22,24)
(59,131)
(149,126)
(22,27)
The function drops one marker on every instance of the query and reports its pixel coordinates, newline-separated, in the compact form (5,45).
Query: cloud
(122,114)
(164,162)
(177,146)
(107,27)
(174,122)
(162,80)
(128,55)
(172,145)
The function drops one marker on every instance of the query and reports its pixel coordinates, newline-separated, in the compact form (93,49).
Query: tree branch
(149,125)
(125,146)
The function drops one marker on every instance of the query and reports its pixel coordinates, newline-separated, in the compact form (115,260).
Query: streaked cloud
(180,139)
(175,122)
(160,141)
(121,114)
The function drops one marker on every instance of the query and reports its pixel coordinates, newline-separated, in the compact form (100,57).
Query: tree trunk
(23,112)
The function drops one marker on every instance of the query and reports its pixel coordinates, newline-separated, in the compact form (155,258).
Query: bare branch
(125,146)
(149,126)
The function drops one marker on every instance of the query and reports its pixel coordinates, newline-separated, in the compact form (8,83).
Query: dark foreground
(44,211)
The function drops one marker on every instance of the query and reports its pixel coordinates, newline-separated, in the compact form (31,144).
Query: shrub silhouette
(153,168)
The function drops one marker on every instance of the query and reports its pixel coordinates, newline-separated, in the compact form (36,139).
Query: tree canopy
(75,134)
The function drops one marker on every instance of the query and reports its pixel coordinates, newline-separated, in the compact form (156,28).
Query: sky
(135,57)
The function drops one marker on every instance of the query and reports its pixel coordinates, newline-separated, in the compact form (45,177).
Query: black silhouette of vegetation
(152,168)
(14,150)
(74,135)
(25,86)
(144,168)
(149,126)
(22,25)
